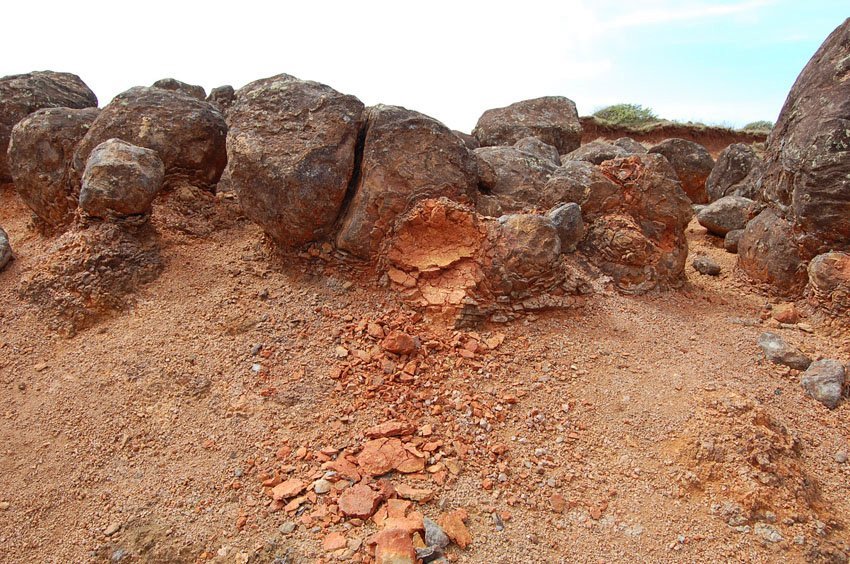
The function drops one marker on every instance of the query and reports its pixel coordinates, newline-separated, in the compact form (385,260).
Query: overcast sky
(728,62)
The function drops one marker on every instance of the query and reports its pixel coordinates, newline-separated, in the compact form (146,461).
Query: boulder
(777,351)
(536,147)
(222,97)
(824,381)
(469,140)
(726,214)
(40,152)
(5,249)
(692,163)
(192,90)
(187,134)
(706,266)
(829,283)
(731,240)
(527,246)
(768,254)
(807,160)
(291,155)
(512,181)
(630,145)
(583,183)
(120,180)
(568,221)
(407,156)
(639,239)
(552,119)
(22,94)
(595,152)
(734,173)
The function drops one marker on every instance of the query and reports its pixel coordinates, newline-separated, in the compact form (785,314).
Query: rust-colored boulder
(526,245)
(187,134)
(470,141)
(595,152)
(407,156)
(23,94)
(768,253)
(629,145)
(552,119)
(40,152)
(193,90)
(512,180)
(692,163)
(736,173)
(829,283)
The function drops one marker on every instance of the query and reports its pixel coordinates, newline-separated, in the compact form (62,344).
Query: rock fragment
(824,381)
(777,351)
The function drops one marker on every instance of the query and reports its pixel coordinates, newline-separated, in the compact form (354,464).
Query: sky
(723,62)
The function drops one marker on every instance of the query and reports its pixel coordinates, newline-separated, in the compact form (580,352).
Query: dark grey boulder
(726,214)
(733,173)
(692,163)
(552,119)
(705,265)
(5,249)
(568,221)
(536,147)
(730,242)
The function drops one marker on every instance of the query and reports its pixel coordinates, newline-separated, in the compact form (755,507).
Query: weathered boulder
(630,145)
(705,265)
(40,152)
(291,155)
(120,180)
(807,161)
(568,221)
(222,97)
(734,173)
(536,147)
(824,381)
(470,141)
(527,246)
(407,156)
(731,240)
(726,214)
(187,134)
(595,152)
(512,180)
(640,238)
(552,119)
(692,163)
(829,283)
(193,90)
(22,94)
(5,249)
(777,351)
(768,254)
(585,184)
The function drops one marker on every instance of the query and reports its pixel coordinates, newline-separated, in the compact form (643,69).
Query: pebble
(840,457)
(287,527)
(321,486)
(112,529)
(4,505)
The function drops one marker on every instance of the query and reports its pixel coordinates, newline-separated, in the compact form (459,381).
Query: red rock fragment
(399,342)
(453,525)
(394,546)
(333,541)
(394,428)
(359,501)
(287,489)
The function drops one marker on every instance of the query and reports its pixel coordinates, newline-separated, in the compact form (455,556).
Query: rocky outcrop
(768,254)
(595,152)
(552,119)
(188,134)
(22,94)
(829,284)
(120,180)
(193,90)
(512,180)
(5,249)
(40,152)
(222,97)
(692,163)
(407,156)
(291,155)
(726,214)
(536,147)
(737,172)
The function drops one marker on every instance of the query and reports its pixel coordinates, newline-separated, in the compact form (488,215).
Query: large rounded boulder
(552,119)
(41,148)
(726,214)
(768,254)
(188,134)
(407,156)
(735,173)
(692,163)
(22,94)
(291,155)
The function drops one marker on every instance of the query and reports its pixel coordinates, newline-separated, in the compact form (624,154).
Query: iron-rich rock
(407,156)
(40,152)
(187,134)
(513,180)
(552,119)
(568,221)
(5,249)
(692,163)
(726,214)
(829,283)
(291,155)
(585,184)
(630,145)
(470,141)
(22,94)
(120,180)
(536,147)
(731,240)
(777,351)
(705,265)
(768,254)
(824,381)
(732,174)
(192,90)
(222,97)
(527,245)
(595,152)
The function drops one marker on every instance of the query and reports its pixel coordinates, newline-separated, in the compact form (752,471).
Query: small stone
(453,525)
(394,546)
(359,501)
(390,429)
(4,505)
(840,457)
(767,532)
(112,529)
(730,242)
(558,503)
(406,492)
(334,541)
(434,534)
(399,342)
(322,486)
(288,489)
(824,381)
(287,527)
(705,265)
(777,351)
(786,313)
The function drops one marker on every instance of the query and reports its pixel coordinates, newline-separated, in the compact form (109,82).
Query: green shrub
(627,114)
(762,125)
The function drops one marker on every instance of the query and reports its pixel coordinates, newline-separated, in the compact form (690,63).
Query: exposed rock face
(40,152)
(470,141)
(824,381)
(514,180)
(222,97)
(192,90)
(5,250)
(692,163)
(768,254)
(630,145)
(829,283)
(595,152)
(187,134)
(22,94)
(640,238)
(726,214)
(552,119)
(407,156)
(536,147)
(291,155)
(568,221)
(736,173)
(120,180)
